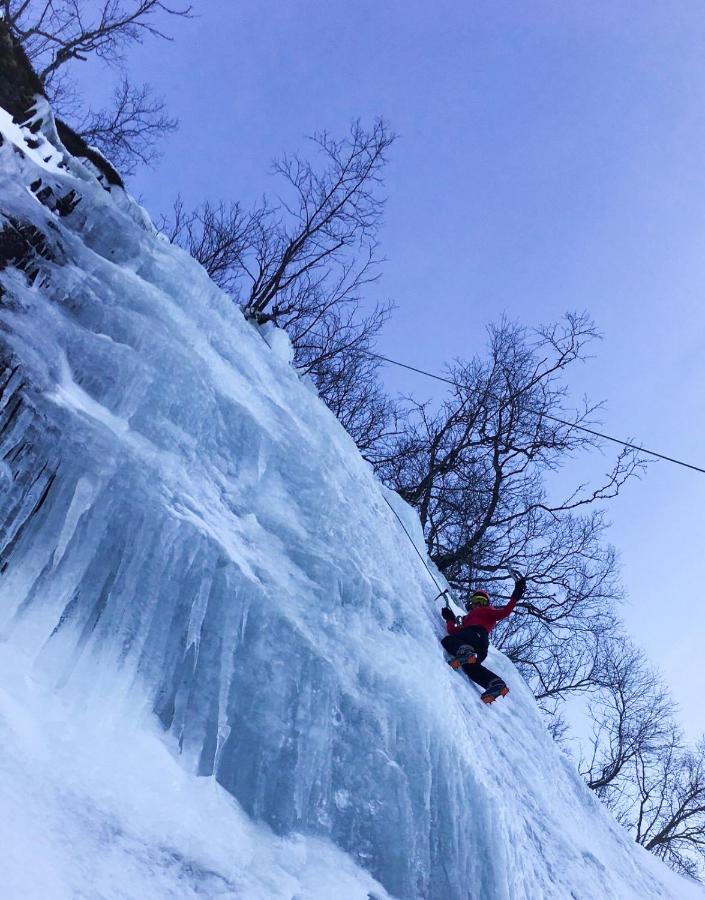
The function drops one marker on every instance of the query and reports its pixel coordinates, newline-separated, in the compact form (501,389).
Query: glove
(519,586)
(447,614)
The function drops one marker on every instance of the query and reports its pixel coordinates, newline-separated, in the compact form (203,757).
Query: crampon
(466,655)
(499,689)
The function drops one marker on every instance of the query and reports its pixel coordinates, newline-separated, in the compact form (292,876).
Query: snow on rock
(278,341)
(190,542)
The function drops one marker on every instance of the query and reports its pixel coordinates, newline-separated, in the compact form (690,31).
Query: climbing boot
(466,656)
(496,688)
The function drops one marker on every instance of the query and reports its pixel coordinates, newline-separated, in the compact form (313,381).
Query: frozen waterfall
(188,536)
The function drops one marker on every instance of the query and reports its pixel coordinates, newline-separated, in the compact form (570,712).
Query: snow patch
(278,341)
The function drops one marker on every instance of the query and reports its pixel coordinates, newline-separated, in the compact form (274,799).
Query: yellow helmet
(478,598)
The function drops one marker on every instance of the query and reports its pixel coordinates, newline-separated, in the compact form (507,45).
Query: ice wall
(182,515)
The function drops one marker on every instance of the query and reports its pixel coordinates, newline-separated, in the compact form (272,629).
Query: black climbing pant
(478,638)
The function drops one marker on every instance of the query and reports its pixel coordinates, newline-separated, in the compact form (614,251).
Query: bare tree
(304,263)
(296,260)
(319,246)
(670,808)
(128,131)
(56,33)
(558,666)
(218,236)
(630,714)
(637,761)
(335,354)
(477,469)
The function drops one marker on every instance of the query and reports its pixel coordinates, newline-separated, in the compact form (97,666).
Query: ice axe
(443,594)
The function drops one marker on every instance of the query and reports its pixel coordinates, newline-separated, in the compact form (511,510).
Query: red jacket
(484,616)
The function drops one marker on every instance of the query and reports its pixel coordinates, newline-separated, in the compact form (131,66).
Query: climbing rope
(442,593)
(593,432)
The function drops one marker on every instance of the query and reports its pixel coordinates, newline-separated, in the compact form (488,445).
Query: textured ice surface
(95,809)
(184,523)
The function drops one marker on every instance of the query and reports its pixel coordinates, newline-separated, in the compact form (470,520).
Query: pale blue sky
(550,157)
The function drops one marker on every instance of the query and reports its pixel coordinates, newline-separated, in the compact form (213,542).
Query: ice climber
(467,641)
